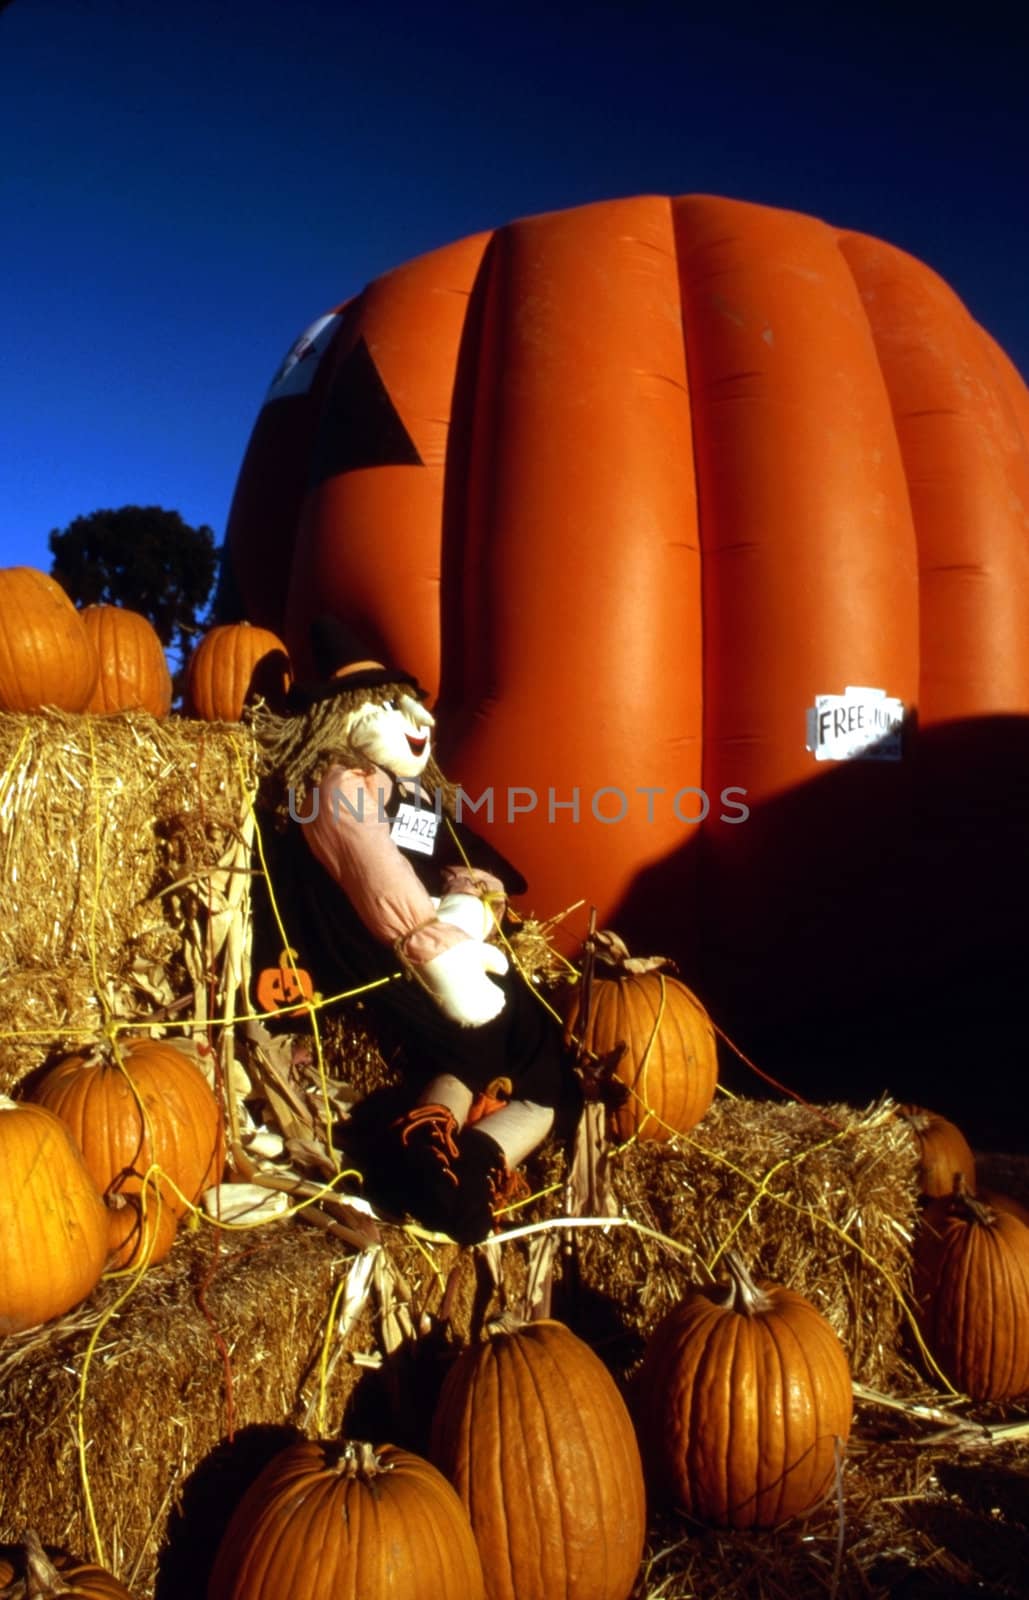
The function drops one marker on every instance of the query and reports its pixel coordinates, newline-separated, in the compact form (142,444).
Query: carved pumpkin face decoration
(285,988)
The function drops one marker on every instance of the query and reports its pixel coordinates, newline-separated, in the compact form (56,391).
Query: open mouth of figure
(417,742)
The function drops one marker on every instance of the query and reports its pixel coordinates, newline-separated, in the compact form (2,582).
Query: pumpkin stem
(42,1578)
(612,950)
(359,1460)
(743,1295)
(915,1116)
(506,1322)
(963,1203)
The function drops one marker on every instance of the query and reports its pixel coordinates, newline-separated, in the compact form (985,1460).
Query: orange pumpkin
(972,1291)
(534,1435)
(53,1225)
(281,988)
(46,655)
(330,1518)
(745,1404)
(945,1153)
(133,671)
(151,1107)
(660,1039)
(677,500)
(141,1228)
(231,664)
(55,1575)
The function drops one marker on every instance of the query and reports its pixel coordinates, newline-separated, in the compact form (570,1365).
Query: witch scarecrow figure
(386,875)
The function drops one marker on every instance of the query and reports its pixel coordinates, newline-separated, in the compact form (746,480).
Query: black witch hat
(343,663)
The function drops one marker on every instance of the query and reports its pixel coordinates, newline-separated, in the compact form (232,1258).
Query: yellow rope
(81,1442)
(323,1364)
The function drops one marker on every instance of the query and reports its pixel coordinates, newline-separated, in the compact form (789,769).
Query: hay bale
(119,839)
(826,1207)
(112,829)
(233,1334)
(823,1199)
(207,1342)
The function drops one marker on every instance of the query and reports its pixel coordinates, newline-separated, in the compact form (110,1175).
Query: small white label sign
(296,373)
(860,724)
(414,828)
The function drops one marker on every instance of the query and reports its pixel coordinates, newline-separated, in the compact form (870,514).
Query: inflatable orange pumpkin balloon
(709,521)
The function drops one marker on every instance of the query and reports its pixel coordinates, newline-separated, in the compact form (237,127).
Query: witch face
(395,735)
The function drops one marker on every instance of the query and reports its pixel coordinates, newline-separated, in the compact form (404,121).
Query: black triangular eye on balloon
(360,426)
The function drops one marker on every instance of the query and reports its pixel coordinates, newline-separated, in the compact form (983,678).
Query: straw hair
(297,750)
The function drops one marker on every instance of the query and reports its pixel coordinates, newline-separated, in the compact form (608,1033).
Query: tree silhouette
(144,558)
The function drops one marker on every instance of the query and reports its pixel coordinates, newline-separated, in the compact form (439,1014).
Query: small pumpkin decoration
(231,664)
(745,1404)
(133,671)
(945,1153)
(46,655)
(147,1105)
(53,1225)
(341,1518)
(657,1037)
(533,1433)
(971,1282)
(285,987)
(55,1575)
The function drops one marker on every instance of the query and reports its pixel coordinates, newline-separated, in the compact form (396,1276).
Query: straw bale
(156,1398)
(158,1408)
(821,1199)
(110,830)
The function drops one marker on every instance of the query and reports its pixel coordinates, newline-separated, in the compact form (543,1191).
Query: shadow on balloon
(866,932)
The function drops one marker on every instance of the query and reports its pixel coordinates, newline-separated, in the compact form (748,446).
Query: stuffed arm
(443,949)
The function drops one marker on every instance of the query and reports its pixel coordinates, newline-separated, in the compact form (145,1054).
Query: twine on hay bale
(124,865)
(112,831)
(827,1210)
(248,1332)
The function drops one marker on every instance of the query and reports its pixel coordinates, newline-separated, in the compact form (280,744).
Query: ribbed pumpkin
(58,1576)
(232,663)
(53,1223)
(670,1062)
(744,1404)
(533,1433)
(945,1152)
(46,655)
(329,1518)
(133,671)
(972,1294)
(153,1105)
(141,1229)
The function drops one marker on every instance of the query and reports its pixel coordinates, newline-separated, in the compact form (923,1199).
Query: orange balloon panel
(368,547)
(967,470)
(709,521)
(572,624)
(808,554)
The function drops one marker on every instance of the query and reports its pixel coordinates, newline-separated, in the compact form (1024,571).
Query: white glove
(468,912)
(457,981)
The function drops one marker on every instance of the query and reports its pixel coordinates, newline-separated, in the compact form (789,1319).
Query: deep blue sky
(185,186)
